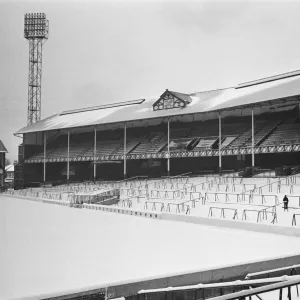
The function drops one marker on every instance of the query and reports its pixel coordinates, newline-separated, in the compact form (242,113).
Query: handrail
(249,275)
(293,280)
(259,290)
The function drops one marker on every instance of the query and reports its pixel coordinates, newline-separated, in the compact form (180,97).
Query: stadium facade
(252,124)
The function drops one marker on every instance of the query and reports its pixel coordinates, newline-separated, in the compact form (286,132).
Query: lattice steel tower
(36,29)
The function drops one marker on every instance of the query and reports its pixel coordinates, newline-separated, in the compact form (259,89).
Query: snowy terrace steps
(284,134)
(144,145)
(104,147)
(152,143)
(130,145)
(295,170)
(157,143)
(240,139)
(76,149)
(263,133)
(205,143)
(245,136)
(52,147)
(227,141)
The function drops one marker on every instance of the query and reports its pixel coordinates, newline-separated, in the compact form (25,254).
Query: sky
(100,52)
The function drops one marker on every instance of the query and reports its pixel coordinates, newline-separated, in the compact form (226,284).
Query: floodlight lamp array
(35,26)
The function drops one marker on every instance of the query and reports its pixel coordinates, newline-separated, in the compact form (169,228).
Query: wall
(130,289)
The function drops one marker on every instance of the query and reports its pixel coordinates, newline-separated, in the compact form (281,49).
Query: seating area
(195,136)
(105,147)
(262,132)
(284,134)
(227,140)
(158,143)
(205,143)
(130,145)
(179,144)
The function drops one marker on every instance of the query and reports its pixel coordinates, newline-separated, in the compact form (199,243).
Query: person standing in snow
(285,203)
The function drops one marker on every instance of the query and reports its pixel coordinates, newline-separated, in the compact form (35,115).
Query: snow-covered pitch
(50,248)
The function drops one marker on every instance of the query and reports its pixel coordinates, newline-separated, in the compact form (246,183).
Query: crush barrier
(226,197)
(193,202)
(125,203)
(240,188)
(153,205)
(263,199)
(194,196)
(179,208)
(222,211)
(294,219)
(261,215)
(167,194)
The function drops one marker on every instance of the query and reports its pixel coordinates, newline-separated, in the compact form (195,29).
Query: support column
(68,162)
(45,140)
(125,171)
(253,161)
(168,147)
(95,149)
(220,144)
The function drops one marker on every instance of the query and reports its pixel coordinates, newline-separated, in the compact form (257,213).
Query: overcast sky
(108,51)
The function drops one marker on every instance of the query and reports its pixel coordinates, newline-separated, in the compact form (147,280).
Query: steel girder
(178,154)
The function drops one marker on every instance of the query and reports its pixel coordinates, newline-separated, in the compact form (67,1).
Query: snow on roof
(284,87)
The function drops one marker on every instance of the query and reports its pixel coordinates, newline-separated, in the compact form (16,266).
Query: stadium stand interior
(270,129)
(196,136)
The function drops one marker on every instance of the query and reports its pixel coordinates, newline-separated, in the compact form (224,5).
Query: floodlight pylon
(36,30)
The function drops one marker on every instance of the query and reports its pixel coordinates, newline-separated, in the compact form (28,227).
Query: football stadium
(178,196)
(181,196)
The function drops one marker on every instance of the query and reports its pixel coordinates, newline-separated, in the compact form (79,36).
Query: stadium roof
(2,147)
(275,89)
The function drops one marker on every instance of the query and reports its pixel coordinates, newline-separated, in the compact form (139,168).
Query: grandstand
(254,124)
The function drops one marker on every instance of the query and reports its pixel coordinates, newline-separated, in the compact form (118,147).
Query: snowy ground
(49,248)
